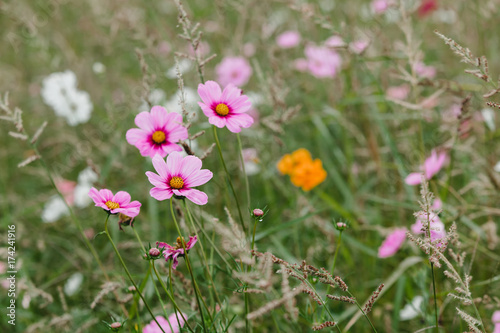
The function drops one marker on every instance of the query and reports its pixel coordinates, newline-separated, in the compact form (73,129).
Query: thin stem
(254,230)
(245,176)
(229,179)
(128,273)
(196,291)
(435,298)
(339,242)
(159,297)
(363,312)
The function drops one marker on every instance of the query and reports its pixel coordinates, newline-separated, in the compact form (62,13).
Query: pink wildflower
(359,46)
(203,49)
(322,62)
(67,189)
(114,204)
(392,243)
(249,49)
(424,71)
(398,92)
(438,230)
(427,7)
(288,39)
(152,327)
(496,321)
(174,252)
(335,41)
(233,70)
(158,132)
(431,166)
(301,64)
(177,176)
(225,108)
(380,6)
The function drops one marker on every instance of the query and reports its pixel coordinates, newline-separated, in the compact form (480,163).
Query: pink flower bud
(341,225)
(115,325)
(154,252)
(258,212)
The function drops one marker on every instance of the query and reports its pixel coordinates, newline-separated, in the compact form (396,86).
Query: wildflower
(258,212)
(341,226)
(174,252)
(59,91)
(322,62)
(158,132)
(392,243)
(54,209)
(73,284)
(202,50)
(436,226)
(125,221)
(289,162)
(190,99)
(86,179)
(412,309)
(152,327)
(359,46)
(308,175)
(115,326)
(432,166)
(496,321)
(249,49)
(114,204)
(183,66)
(288,39)
(427,7)
(225,108)
(233,70)
(301,64)
(424,71)
(380,6)
(177,176)
(398,92)
(251,161)
(334,41)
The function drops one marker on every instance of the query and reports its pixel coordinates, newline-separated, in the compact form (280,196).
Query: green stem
(159,297)
(363,312)
(245,176)
(128,273)
(196,291)
(435,298)
(229,179)
(254,230)
(339,242)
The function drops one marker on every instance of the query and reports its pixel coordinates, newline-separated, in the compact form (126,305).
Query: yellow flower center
(158,137)
(176,182)
(112,205)
(179,243)
(222,109)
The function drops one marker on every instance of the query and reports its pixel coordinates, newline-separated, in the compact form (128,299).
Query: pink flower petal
(106,195)
(159,116)
(160,166)
(143,121)
(122,198)
(413,178)
(161,194)
(189,165)
(197,197)
(209,92)
(218,121)
(174,163)
(199,178)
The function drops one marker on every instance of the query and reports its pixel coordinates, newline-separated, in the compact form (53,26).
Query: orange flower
(308,175)
(290,162)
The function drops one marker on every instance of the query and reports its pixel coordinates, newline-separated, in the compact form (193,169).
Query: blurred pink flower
(380,6)
(438,230)
(114,204)
(432,166)
(437,204)
(164,48)
(203,49)
(158,132)
(322,62)
(174,252)
(288,39)
(496,321)
(335,41)
(392,243)
(301,64)
(398,92)
(67,189)
(233,70)
(424,71)
(225,108)
(359,46)
(152,327)
(427,7)
(248,49)
(177,176)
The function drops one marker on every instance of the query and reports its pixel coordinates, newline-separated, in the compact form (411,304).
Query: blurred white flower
(73,284)
(412,309)
(156,97)
(98,68)
(489,118)
(251,160)
(59,92)
(86,180)
(191,98)
(184,67)
(54,209)
(497,167)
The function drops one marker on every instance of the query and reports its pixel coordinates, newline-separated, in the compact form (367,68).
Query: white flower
(156,97)
(251,161)
(412,309)
(87,176)
(54,209)
(190,97)
(98,68)
(73,284)
(489,118)
(86,180)
(184,67)
(59,92)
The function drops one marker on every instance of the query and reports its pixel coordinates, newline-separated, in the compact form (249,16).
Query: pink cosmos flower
(301,64)
(174,252)
(392,243)
(431,166)
(288,39)
(438,230)
(424,71)
(158,132)
(398,92)
(322,62)
(233,70)
(225,108)
(67,189)
(152,327)
(496,321)
(335,41)
(177,176)
(114,204)
(380,6)
(359,46)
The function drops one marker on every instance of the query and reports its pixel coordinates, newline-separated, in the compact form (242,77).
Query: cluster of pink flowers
(432,165)
(233,70)
(288,39)
(320,61)
(173,252)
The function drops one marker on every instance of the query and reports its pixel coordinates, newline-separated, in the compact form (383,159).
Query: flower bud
(258,212)
(154,252)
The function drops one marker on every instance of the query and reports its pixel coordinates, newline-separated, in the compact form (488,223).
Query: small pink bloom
(288,39)
(233,70)
(158,132)
(496,321)
(322,62)
(438,230)
(335,41)
(427,7)
(154,252)
(67,189)
(258,212)
(152,327)
(392,243)
(432,165)
(164,48)
(301,64)
(177,176)
(359,46)
(248,49)
(424,71)
(225,108)
(380,6)
(437,204)
(398,92)
(114,204)
(203,49)
(174,252)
